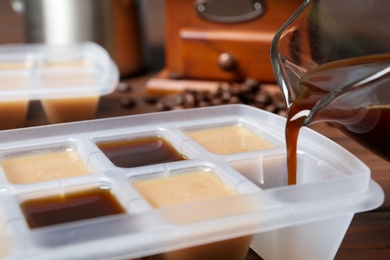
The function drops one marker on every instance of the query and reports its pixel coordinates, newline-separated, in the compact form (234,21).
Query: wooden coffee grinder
(211,41)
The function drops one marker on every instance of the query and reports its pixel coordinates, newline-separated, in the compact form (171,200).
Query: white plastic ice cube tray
(306,221)
(39,71)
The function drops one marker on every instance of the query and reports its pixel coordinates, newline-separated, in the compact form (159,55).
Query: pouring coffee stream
(352,94)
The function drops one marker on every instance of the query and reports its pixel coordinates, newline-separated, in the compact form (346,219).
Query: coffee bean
(178,107)
(250,85)
(216,102)
(188,100)
(226,96)
(128,102)
(261,98)
(282,113)
(151,99)
(234,100)
(203,104)
(160,106)
(123,87)
(270,108)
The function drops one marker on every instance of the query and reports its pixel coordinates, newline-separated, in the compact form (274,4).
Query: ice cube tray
(305,221)
(68,80)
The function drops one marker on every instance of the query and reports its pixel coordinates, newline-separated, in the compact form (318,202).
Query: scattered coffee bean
(250,85)
(128,102)
(123,87)
(188,100)
(249,92)
(160,106)
(270,108)
(203,104)
(282,113)
(151,99)
(234,100)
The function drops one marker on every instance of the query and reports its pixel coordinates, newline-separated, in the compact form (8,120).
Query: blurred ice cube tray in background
(237,146)
(68,80)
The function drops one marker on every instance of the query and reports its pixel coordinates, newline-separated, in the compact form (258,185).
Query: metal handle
(229,11)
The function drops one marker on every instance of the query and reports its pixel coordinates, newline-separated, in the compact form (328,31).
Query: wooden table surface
(368,236)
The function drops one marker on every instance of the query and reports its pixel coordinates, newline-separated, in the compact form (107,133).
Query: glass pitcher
(332,62)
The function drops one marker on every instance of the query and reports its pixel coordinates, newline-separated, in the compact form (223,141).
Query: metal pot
(113,24)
